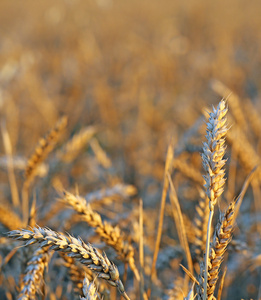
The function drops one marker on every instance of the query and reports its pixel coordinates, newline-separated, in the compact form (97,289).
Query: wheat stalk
(76,248)
(213,162)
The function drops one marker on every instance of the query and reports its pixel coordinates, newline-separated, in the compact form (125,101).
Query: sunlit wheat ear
(76,248)
(111,235)
(33,278)
(44,147)
(213,153)
(221,239)
(213,163)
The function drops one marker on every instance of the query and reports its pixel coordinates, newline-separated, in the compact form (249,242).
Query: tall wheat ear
(76,248)
(213,163)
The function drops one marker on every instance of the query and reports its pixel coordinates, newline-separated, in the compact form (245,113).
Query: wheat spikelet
(222,237)
(44,147)
(111,235)
(76,248)
(33,278)
(89,290)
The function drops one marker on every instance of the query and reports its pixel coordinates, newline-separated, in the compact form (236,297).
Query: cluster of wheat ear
(86,265)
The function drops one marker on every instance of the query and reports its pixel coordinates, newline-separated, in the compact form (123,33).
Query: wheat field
(130,150)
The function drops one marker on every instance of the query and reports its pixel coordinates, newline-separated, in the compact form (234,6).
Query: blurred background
(142,72)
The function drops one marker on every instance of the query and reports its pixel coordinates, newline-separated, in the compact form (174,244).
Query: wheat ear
(222,237)
(42,150)
(111,235)
(44,147)
(76,248)
(200,225)
(74,146)
(213,162)
(33,278)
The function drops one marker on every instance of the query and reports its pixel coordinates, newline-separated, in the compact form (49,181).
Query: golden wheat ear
(221,239)
(44,147)
(111,235)
(76,248)
(213,163)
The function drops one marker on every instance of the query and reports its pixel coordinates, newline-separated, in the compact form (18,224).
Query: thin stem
(168,164)
(141,250)
(168,167)
(25,201)
(10,165)
(211,213)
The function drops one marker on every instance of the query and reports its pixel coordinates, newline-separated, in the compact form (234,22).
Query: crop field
(130,150)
